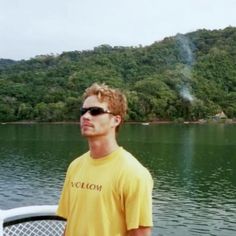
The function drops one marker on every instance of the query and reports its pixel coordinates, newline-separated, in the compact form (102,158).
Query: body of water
(193,167)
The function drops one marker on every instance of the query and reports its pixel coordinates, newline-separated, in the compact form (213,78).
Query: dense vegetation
(188,77)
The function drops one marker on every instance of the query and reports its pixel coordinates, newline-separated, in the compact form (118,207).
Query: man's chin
(87,134)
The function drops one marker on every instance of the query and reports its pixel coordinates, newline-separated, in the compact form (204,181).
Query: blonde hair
(117,103)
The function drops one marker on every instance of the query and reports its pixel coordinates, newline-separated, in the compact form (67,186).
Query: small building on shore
(219,116)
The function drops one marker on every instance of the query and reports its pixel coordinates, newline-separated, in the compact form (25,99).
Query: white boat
(145,123)
(31,221)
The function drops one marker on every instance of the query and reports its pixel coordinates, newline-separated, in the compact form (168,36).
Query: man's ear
(117,120)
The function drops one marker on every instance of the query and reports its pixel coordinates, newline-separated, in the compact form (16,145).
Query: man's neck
(102,147)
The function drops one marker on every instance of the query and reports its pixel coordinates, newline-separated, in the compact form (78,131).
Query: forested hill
(187,76)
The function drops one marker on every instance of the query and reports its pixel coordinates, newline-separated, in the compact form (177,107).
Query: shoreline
(126,122)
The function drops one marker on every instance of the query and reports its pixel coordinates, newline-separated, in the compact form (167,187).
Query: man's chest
(97,183)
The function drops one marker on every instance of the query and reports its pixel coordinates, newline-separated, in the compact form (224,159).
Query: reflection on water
(194,169)
(193,166)
(33,161)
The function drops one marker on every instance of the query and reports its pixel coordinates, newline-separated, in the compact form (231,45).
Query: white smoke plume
(185,93)
(188,58)
(185,47)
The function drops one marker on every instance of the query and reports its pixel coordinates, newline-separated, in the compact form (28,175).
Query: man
(107,192)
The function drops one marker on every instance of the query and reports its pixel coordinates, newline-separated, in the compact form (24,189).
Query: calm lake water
(193,166)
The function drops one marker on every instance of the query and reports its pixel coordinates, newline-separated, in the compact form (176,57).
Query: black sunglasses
(94,111)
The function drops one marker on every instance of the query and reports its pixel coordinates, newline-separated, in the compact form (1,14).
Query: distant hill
(4,63)
(188,76)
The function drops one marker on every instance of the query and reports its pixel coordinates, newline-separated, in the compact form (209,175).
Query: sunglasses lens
(83,111)
(94,111)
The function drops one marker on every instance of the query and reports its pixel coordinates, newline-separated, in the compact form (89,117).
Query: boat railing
(31,221)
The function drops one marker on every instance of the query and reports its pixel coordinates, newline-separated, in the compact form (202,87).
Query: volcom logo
(89,186)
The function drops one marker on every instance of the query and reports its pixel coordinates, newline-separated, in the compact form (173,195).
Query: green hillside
(187,76)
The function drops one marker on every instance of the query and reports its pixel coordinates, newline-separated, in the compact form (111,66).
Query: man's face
(96,125)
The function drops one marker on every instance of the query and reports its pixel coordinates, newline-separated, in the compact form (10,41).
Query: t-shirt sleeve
(63,206)
(138,199)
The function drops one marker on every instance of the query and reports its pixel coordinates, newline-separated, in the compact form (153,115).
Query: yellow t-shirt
(106,196)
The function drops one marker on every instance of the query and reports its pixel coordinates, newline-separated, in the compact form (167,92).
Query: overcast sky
(38,27)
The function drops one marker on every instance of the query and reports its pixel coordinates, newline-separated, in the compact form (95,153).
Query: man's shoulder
(79,160)
(131,164)
(132,171)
